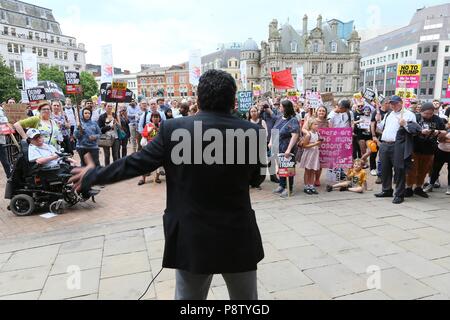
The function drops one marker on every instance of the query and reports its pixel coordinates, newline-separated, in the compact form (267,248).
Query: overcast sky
(163,32)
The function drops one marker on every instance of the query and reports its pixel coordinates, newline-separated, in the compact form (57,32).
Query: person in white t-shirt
(341,116)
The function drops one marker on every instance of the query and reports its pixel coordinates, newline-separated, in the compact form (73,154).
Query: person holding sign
(49,128)
(108,123)
(396,150)
(288,135)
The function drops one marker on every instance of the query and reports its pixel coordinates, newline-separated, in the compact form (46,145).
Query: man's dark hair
(345,104)
(288,107)
(217,91)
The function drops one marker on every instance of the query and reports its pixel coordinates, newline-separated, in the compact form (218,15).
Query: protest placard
(336,150)
(408,75)
(245,101)
(286,167)
(314,99)
(257,90)
(36,94)
(73,82)
(448,88)
(119,89)
(370,95)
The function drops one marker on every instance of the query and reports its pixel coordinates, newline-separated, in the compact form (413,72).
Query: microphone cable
(148,288)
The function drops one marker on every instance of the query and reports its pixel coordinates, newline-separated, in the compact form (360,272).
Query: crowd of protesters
(380,130)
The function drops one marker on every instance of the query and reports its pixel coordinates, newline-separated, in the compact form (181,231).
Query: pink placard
(336,150)
(409,82)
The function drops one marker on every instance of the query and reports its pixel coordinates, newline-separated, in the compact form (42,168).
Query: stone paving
(319,247)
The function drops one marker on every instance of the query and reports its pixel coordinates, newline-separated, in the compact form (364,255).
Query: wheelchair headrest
(24,146)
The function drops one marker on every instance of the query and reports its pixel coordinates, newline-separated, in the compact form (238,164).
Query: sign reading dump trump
(245,100)
(36,94)
(336,150)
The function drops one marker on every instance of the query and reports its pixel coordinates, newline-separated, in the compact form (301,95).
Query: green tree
(90,86)
(53,74)
(9,85)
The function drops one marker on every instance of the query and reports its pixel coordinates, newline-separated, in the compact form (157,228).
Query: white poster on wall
(30,71)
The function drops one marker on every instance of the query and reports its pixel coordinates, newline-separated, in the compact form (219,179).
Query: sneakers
(278,190)
(448,191)
(428,188)
(421,193)
(314,191)
(374,173)
(285,194)
(437,185)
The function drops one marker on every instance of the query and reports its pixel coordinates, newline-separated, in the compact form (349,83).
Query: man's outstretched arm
(148,160)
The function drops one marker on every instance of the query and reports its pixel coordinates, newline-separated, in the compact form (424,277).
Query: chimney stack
(305,25)
(319,21)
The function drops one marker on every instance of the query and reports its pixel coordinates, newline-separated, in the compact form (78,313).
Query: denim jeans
(283,183)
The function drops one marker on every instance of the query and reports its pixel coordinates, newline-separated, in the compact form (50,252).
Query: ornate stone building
(329,54)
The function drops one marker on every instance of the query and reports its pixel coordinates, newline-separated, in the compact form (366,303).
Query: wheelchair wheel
(57,207)
(22,205)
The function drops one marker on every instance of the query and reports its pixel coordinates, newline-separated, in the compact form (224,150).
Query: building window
(433,63)
(329,68)
(315,68)
(294,46)
(316,47)
(6,30)
(426,63)
(340,86)
(3,15)
(447,48)
(251,71)
(427,50)
(334,47)
(435,48)
(410,52)
(432,76)
(424,78)
(13,32)
(423,92)
(75,56)
(430,91)
(37,36)
(30,35)
(340,68)
(328,86)
(28,21)
(315,86)
(16,65)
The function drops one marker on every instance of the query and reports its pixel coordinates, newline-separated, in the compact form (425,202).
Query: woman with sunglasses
(150,132)
(49,129)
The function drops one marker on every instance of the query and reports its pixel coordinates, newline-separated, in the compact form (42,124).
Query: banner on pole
(244,75)
(300,79)
(107,64)
(119,89)
(195,67)
(30,71)
(408,75)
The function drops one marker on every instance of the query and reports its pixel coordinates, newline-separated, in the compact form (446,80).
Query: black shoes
(398,200)
(421,193)
(385,194)
(409,193)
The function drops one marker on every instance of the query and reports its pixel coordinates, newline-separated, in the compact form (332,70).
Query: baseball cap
(395,100)
(32,133)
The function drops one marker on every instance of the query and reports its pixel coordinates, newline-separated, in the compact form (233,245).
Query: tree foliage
(9,85)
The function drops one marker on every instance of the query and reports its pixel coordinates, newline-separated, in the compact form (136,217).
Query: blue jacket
(90,128)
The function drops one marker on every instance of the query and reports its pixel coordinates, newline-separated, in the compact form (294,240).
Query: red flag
(283,79)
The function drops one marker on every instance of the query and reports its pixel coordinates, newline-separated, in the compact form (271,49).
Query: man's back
(210,226)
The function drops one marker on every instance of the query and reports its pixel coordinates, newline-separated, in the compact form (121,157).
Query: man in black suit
(210,227)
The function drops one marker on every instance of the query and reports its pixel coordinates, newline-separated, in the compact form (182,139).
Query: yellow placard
(409,70)
(405,93)
(119,85)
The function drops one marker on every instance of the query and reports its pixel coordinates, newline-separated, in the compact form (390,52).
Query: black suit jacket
(209,224)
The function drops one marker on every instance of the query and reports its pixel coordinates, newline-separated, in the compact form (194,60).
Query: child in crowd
(150,132)
(310,158)
(357,179)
